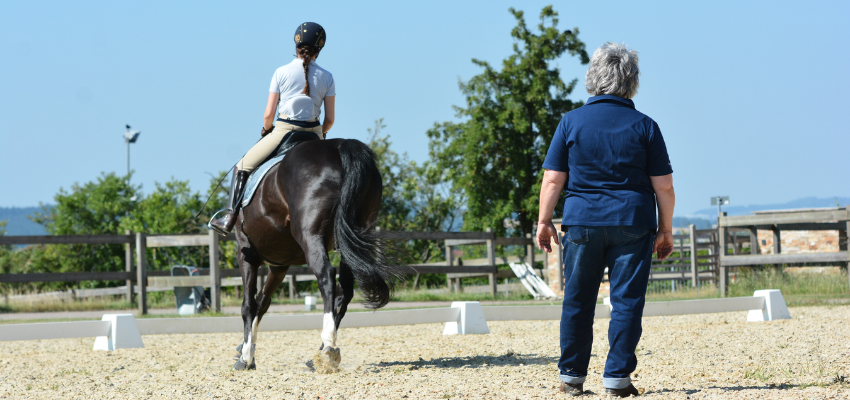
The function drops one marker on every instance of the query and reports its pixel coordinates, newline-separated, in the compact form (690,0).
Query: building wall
(797,242)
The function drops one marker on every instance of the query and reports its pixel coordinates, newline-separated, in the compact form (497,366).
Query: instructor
(613,163)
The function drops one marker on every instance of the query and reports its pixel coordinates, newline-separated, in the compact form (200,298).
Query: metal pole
(128,157)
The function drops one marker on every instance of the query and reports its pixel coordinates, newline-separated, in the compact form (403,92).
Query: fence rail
(140,278)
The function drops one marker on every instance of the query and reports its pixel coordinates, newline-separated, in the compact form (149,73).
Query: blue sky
(751,96)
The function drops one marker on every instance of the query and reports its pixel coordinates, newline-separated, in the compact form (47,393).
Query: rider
(297,92)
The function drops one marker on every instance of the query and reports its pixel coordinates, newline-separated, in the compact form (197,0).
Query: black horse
(324,193)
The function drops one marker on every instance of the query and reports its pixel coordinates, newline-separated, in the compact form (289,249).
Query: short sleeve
(657,160)
(332,88)
(275,85)
(557,156)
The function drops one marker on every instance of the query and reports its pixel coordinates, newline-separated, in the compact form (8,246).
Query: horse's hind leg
(327,360)
(344,293)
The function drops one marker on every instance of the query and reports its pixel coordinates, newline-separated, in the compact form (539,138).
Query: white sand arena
(712,356)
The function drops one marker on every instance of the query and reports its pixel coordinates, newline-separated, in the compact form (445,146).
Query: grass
(798,288)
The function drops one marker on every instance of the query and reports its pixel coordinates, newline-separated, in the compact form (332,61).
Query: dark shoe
(225,224)
(572,389)
(624,392)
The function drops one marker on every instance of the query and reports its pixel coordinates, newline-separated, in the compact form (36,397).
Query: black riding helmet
(310,33)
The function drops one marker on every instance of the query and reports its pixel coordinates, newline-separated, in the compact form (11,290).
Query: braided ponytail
(306,53)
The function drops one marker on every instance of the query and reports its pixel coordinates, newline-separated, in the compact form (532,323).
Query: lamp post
(719,201)
(130,137)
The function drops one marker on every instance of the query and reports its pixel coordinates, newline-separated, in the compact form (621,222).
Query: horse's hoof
(240,366)
(238,352)
(327,360)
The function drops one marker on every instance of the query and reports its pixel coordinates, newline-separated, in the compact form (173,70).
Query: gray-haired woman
(615,166)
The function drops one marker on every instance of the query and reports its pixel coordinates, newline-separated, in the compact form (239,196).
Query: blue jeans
(627,252)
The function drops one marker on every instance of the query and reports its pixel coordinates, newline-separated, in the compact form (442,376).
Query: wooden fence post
(292,287)
(693,245)
(847,248)
(449,262)
(491,259)
(215,273)
(128,266)
(777,240)
(754,240)
(141,272)
(529,250)
(722,237)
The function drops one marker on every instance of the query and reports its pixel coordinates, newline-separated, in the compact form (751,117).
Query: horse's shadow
(508,359)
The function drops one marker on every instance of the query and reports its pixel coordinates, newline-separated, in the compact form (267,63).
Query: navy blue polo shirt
(609,151)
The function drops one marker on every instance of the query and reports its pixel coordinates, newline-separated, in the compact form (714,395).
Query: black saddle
(290,140)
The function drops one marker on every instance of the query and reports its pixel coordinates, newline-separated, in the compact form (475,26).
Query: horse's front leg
(245,356)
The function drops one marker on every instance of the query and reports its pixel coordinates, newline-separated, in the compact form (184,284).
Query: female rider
(297,92)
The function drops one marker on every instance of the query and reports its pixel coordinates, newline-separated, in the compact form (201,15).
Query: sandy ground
(710,356)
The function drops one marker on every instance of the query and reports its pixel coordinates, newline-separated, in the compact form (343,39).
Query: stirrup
(215,228)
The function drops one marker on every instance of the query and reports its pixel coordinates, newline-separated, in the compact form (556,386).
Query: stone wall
(797,242)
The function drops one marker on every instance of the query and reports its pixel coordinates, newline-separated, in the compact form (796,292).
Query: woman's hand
(264,131)
(663,244)
(545,233)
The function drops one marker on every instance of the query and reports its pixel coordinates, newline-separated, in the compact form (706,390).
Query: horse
(324,193)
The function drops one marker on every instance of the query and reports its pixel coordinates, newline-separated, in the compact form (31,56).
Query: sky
(751,96)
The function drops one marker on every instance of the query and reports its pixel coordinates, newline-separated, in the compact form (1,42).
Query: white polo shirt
(288,80)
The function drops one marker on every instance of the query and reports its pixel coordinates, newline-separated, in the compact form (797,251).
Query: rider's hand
(545,233)
(264,131)
(663,244)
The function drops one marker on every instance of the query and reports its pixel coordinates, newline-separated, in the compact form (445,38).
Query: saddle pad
(256,177)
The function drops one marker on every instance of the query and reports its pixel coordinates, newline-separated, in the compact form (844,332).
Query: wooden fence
(837,219)
(142,278)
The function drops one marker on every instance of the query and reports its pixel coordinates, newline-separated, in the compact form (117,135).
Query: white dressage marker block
(774,306)
(309,303)
(470,321)
(124,334)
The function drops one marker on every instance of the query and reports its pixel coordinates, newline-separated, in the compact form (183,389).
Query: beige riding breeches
(254,157)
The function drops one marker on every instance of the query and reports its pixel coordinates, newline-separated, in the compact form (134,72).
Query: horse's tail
(359,246)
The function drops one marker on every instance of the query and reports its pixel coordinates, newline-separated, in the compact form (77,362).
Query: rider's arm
(329,114)
(271,110)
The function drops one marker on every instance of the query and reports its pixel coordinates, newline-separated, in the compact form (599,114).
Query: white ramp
(536,286)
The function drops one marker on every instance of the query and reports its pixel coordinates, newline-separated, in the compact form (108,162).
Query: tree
(496,154)
(94,208)
(415,197)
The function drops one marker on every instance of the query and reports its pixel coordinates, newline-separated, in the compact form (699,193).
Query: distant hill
(699,223)
(18,223)
(805,202)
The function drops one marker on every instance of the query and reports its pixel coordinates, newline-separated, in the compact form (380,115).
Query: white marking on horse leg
(254,328)
(248,347)
(328,331)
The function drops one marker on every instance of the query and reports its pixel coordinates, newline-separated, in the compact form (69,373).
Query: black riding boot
(225,224)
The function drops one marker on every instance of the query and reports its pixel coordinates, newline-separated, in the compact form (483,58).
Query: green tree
(94,208)
(496,154)
(415,197)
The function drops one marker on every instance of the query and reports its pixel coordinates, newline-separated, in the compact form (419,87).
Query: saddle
(289,141)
